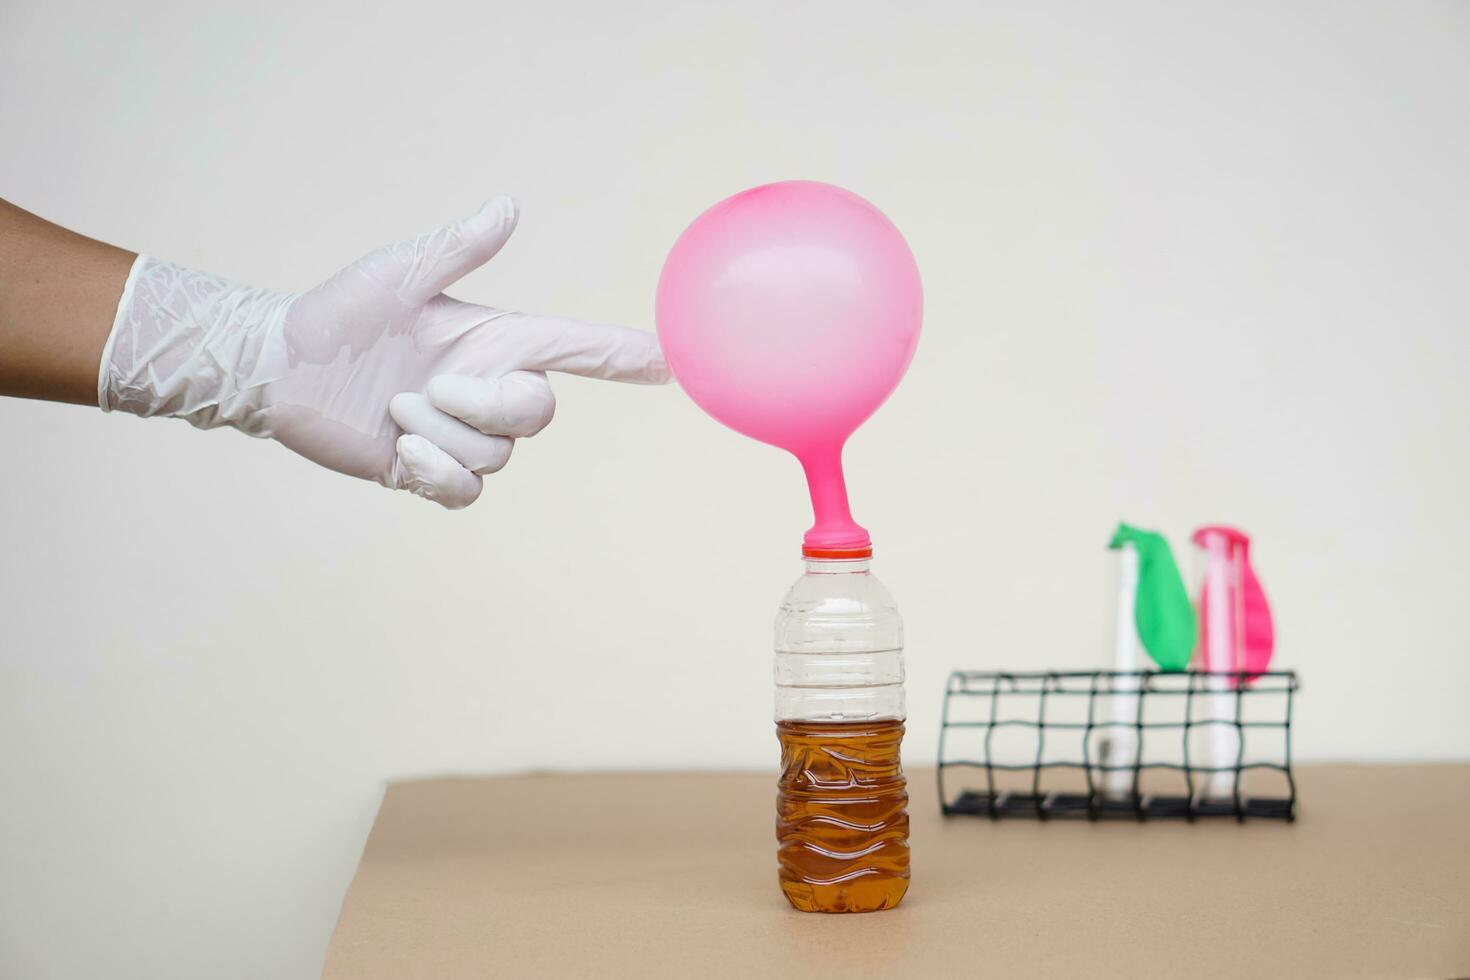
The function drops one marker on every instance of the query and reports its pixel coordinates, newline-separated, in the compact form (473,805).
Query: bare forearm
(58,294)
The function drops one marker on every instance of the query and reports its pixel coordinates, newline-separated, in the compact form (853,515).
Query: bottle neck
(838,566)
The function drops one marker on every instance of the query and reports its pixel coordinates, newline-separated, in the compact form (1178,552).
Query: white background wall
(1184,263)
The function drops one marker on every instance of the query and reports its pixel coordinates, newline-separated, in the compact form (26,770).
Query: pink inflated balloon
(789,312)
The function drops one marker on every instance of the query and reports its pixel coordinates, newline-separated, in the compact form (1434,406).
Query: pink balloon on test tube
(790,312)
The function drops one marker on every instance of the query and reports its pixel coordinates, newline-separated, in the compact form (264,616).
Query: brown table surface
(674,874)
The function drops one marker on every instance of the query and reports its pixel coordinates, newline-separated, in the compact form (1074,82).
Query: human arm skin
(58,296)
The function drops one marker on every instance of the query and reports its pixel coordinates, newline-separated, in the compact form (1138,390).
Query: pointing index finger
(592,350)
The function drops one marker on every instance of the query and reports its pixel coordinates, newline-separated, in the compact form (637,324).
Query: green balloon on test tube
(1161,607)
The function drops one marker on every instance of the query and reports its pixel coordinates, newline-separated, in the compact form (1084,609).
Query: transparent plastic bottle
(841,809)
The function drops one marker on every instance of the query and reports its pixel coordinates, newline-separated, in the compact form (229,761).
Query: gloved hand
(374,373)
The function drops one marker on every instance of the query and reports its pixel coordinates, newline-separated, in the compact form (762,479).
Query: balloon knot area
(836,536)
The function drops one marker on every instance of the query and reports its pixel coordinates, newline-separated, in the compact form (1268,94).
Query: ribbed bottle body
(841,817)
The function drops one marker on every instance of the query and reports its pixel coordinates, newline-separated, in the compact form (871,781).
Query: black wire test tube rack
(1102,744)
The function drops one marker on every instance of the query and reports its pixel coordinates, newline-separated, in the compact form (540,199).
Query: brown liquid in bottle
(841,821)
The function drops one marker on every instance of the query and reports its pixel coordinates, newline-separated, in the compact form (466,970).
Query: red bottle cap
(866,551)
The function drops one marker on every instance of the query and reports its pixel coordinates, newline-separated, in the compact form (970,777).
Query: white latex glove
(375,373)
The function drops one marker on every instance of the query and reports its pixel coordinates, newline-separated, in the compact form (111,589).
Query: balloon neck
(834,530)
(1222,533)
